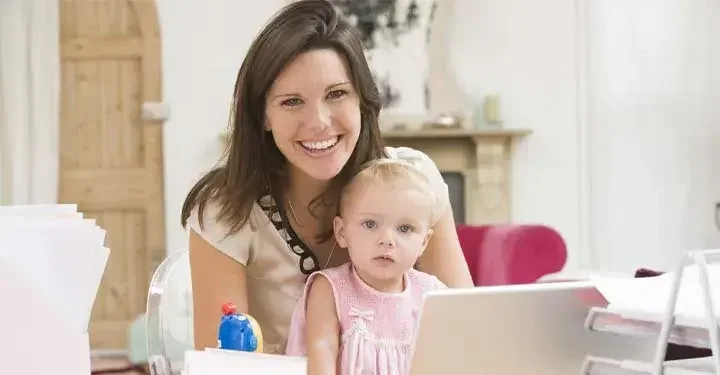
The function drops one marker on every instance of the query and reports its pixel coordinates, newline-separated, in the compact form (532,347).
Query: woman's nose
(319,117)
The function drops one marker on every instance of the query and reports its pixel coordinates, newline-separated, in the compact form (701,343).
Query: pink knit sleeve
(296,335)
(437,284)
(428,282)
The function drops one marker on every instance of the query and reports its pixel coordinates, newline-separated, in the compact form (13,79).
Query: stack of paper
(216,361)
(51,264)
(651,294)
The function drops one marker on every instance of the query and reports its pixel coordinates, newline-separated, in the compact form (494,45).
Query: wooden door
(110,157)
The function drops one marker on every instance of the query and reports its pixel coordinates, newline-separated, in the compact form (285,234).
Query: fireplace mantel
(470,134)
(481,156)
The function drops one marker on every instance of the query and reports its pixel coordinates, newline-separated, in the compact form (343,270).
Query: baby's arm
(322,329)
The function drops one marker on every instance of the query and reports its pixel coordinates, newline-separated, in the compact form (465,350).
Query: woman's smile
(320,147)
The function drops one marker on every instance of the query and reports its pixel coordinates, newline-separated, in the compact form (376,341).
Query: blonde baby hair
(390,171)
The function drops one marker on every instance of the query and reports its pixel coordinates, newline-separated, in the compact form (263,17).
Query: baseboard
(108,353)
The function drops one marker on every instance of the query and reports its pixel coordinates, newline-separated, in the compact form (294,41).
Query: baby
(359,318)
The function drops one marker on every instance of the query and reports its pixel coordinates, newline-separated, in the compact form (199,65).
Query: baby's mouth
(385,258)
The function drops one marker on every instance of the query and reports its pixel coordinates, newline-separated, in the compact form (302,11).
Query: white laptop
(515,330)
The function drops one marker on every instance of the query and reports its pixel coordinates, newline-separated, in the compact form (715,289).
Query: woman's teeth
(320,145)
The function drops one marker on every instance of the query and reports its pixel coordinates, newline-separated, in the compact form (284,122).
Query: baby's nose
(387,240)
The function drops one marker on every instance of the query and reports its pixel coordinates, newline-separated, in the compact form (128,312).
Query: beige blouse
(275,282)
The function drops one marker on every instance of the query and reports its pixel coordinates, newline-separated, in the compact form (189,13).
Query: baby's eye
(405,228)
(292,102)
(369,224)
(336,94)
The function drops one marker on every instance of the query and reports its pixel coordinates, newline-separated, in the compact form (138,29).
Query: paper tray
(606,366)
(685,331)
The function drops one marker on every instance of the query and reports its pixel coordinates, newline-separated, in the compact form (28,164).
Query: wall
(526,52)
(549,61)
(203,46)
(653,87)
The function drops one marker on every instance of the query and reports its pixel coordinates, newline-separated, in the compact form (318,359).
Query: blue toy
(238,331)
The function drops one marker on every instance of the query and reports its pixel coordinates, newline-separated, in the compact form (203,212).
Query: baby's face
(385,228)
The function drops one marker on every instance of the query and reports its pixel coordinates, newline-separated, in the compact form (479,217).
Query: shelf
(606,366)
(455,133)
(685,331)
(442,133)
(698,330)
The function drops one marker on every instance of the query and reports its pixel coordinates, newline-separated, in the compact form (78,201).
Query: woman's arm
(216,279)
(322,329)
(443,256)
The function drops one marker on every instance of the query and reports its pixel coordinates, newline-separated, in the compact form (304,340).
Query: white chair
(169,315)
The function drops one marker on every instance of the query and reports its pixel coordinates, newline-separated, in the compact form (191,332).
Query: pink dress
(376,328)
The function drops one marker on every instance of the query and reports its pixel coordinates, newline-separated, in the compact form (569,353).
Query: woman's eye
(405,228)
(369,224)
(336,94)
(291,102)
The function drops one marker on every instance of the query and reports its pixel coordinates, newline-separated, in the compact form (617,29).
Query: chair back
(169,315)
(505,254)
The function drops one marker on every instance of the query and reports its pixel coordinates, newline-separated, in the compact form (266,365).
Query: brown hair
(252,164)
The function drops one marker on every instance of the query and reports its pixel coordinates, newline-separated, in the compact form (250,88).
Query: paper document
(216,361)
(651,294)
(51,263)
(34,340)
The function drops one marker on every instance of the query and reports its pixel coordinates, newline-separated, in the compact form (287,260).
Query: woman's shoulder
(219,234)
(208,221)
(407,154)
(417,159)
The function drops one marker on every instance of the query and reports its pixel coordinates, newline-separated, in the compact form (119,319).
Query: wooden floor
(102,365)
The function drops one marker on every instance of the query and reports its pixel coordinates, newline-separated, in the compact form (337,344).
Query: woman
(304,119)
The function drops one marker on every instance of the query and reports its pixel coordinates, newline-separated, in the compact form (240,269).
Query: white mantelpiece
(482,156)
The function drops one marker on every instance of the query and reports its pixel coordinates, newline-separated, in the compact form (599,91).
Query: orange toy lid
(229,308)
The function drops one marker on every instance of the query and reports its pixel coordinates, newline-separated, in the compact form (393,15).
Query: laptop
(515,330)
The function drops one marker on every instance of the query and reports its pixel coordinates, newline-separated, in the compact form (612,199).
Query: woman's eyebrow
(286,95)
(330,87)
(334,85)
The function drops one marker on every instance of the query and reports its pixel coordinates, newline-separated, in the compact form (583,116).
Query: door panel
(110,157)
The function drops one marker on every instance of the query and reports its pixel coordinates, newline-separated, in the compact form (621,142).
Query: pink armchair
(510,253)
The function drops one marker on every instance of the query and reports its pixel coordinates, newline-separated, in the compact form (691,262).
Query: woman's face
(313,112)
